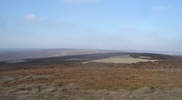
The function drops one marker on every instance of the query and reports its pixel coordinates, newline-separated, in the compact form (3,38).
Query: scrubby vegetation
(73,80)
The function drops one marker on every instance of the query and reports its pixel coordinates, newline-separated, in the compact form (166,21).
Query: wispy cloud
(33,17)
(160,8)
(80,1)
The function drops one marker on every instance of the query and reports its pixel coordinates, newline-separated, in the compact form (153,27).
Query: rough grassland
(94,77)
(160,80)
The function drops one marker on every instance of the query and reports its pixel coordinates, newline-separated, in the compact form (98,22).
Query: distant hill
(20,54)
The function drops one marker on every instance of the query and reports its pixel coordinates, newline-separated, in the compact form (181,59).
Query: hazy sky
(98,24)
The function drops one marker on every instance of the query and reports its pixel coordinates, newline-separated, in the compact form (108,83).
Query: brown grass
(103,76)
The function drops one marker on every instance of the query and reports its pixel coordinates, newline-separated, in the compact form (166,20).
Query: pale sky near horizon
(150,25)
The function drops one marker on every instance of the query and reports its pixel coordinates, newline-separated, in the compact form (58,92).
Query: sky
(149,25)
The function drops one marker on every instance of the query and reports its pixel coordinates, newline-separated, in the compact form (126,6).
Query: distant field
(122,59)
